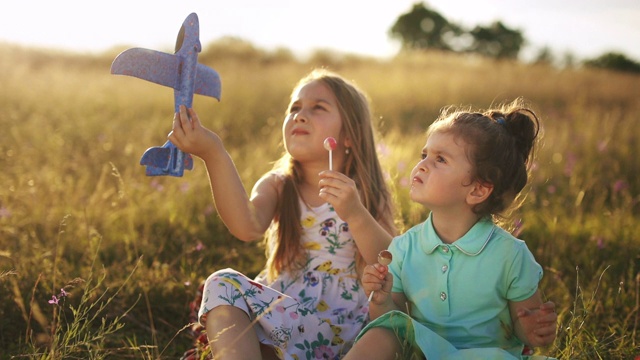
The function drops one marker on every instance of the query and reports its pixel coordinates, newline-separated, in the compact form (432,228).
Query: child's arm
(371,235)
(534,322)
(247,219)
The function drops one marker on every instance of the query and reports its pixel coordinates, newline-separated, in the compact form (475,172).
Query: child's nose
(300,116)
(423,165)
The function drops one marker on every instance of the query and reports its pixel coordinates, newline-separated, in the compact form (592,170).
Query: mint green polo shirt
(461,290)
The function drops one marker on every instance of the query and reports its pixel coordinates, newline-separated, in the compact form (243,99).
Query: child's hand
(539,324)
(190,136)
(341,192)
(377,278)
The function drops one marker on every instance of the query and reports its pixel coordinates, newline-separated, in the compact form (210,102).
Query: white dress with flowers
(315,314)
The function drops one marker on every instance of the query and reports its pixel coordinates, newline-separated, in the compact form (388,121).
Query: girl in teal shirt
(462,287)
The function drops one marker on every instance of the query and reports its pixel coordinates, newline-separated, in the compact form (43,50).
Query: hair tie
(501,121)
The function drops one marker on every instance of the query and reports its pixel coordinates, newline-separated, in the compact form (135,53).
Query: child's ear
(347,142)
(479,193)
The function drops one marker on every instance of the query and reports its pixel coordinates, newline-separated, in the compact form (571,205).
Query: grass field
(77,212)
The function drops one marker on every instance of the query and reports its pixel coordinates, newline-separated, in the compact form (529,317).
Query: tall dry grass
(74,200)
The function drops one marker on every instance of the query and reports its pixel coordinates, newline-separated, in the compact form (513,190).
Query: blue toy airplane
(180,71)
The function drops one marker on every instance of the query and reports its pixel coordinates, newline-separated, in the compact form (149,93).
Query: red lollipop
(330,144)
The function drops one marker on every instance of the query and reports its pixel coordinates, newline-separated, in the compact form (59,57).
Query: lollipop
(384,258)
(330,144)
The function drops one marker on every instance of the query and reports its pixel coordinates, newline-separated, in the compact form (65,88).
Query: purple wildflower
(517,228)
(572,159)
(54,300)
(620,185)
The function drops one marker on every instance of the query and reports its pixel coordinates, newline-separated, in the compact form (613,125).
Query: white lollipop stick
(330,144)
(384,258)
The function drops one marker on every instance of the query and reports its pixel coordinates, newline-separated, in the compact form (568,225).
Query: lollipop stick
(330,160)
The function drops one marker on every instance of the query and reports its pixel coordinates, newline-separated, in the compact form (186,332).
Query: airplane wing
(207,82)
(155,66)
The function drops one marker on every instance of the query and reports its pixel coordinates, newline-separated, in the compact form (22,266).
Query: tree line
(423,28)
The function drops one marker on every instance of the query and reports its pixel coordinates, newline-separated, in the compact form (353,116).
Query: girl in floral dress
(321,228)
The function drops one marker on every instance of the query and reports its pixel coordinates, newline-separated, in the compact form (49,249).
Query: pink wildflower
(209,210)
(602,145)
(184,187)
(199,246)
(156,185)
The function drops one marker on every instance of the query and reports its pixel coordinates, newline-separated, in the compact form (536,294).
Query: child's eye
(319,107)
(423,156)
(440,159)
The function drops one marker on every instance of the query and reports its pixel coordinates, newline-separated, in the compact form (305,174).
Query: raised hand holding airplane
(179,71)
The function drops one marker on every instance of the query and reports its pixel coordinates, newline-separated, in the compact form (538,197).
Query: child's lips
(416,179)
(299,132)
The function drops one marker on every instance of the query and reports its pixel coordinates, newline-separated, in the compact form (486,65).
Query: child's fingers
(549,306)
(195,121)
(382,270)
(176,129)
(372,278)
(545,331)
(523,312)
(184,119)
(550,318)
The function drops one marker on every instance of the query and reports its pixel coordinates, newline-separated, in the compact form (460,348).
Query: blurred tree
(544,56)
(423,28)
(614,61)
(568,60)
(497,41)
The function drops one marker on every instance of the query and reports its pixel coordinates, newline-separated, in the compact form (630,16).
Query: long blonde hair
(284,248)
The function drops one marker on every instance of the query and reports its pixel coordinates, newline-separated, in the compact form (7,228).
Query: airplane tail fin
(166,160)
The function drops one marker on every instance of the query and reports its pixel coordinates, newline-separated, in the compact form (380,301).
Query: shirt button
(445,249)
(443,296)
(444,268)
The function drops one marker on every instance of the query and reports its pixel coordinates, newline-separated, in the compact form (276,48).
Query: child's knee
(378,343)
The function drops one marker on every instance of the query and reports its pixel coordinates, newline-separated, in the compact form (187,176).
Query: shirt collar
(472,243)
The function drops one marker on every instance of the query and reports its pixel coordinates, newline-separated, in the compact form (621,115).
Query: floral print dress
(313,314)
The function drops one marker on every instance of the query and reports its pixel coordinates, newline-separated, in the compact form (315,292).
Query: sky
(584,28)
